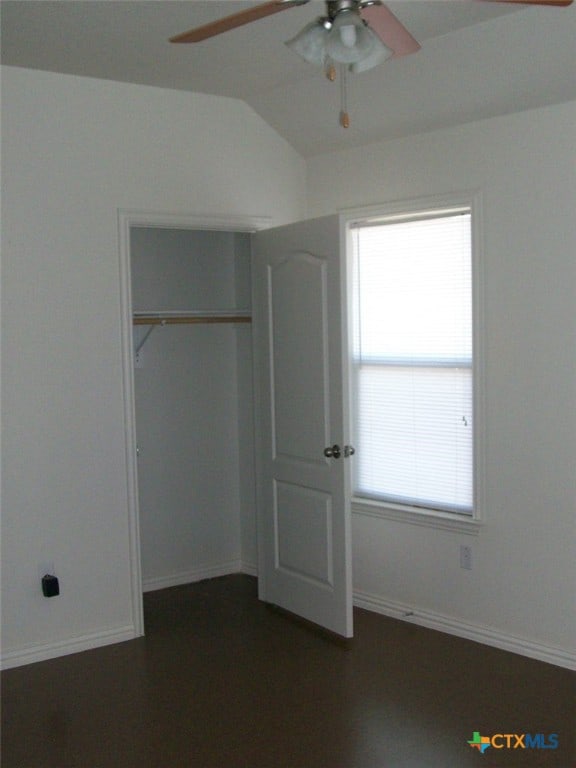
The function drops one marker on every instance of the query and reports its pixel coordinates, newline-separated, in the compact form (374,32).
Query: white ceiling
(477,60)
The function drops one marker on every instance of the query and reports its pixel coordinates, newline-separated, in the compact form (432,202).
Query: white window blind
(412,361)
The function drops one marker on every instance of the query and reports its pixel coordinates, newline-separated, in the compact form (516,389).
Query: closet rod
(188,319)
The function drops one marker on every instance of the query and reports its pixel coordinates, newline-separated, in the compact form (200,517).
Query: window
(412,360)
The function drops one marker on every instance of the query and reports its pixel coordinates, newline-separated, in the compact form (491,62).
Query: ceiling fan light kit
(342,37)
(358,35)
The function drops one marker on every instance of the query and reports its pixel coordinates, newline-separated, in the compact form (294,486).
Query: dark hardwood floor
(222,681)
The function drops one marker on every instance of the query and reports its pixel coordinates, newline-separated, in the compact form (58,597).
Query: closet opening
(189,391)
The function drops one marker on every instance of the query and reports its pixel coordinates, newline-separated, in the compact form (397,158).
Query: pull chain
(330,70)
(344,116)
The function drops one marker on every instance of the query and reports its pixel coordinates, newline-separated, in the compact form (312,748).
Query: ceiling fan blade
(393,34)
(560,3)
(235,20)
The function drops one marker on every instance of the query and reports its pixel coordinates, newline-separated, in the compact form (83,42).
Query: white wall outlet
(466,557)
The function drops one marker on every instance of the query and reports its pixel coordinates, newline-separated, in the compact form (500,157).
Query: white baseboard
(476,632)
(250,569)
(32,654)
(205,571)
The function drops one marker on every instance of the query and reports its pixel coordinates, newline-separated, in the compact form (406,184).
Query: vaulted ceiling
(477,60)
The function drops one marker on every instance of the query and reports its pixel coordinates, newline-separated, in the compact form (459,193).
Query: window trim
(408,210)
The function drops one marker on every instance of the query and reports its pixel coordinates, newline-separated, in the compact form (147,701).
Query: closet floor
(222,681)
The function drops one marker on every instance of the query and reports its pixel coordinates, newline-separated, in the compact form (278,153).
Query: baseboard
(32,654)
(205,571)
(476,632)
(250,569)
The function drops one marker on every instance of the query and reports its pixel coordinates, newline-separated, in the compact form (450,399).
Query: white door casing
(299,327)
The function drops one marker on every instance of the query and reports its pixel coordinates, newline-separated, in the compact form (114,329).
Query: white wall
(74,151)
(521,592)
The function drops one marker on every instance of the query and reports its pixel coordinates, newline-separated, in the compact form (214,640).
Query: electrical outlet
(466,557)
(50,585)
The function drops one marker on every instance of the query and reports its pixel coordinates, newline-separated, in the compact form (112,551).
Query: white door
(303,492)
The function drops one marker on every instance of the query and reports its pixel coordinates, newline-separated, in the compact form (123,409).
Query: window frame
(406,210)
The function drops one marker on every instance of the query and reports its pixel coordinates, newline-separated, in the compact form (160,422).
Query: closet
(191,294)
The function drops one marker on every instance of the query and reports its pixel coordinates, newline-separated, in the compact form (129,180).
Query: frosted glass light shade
(345,40)
(310,43)
(378,54)
(349,40)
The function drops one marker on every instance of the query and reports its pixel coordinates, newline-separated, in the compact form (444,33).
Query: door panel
(303,529)
(303,496)
(300,417)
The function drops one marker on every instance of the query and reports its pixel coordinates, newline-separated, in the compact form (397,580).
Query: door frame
(165,220)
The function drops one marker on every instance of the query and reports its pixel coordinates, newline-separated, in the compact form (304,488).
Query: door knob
(332,453)
(349,450)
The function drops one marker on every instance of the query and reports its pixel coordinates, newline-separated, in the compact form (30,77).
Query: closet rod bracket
(147,335)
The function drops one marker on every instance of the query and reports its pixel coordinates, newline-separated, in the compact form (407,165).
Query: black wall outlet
(50,586)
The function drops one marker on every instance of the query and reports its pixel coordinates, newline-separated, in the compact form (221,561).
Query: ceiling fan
(355,34)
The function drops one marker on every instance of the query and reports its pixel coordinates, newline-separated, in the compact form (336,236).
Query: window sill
(444,521)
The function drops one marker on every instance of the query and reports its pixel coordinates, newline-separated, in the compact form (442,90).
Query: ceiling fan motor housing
(339,6)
